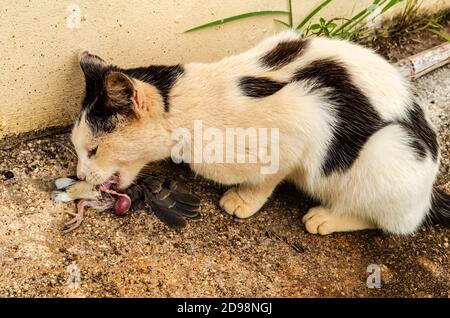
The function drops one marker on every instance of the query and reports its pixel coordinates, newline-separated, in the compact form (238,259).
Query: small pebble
(8,174)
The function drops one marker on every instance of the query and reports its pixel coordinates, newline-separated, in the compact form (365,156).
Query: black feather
(186,212)
(178,186)
(170,201)
(186,198)
(154,184)
(194,208)
(165,214)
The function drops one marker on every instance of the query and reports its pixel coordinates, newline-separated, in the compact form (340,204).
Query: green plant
(345,28)
(442,34)
(407,17)
(313,13)
(348,28)
(324,27)
(234,18)
(410,21)
(353,27)
(288,24)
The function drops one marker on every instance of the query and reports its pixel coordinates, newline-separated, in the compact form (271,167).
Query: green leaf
(331,25)
(313,13)
(282,22)
(234,18)
(442,34)
(322,21)
(315,27)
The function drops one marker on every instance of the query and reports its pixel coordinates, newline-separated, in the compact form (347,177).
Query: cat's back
(286,57)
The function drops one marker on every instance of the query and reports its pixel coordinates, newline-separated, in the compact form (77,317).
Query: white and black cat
(350,132)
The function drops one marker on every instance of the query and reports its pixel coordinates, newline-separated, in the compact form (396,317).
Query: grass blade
(390,5)
(234,18)
(363,18)
(356,17)
(443,35)
(282,22)
(313,13)
(291,20)
(385,8)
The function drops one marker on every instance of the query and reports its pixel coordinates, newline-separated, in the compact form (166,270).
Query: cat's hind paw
(319,221)
(323,221)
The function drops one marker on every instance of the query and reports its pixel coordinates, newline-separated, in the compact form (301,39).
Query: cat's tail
(440,208)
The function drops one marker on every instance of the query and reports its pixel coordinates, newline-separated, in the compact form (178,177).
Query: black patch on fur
(356,119)
(95,71)
(101,115)
(161,76)
(423,137)
(417,145)
(259,86)
(283,54)
(440,209)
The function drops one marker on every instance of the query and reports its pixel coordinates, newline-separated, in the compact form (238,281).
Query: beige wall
(40,81)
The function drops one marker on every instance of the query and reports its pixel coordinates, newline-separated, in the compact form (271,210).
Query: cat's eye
(92,152)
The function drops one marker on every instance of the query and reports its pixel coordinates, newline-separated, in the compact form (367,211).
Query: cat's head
(120,127)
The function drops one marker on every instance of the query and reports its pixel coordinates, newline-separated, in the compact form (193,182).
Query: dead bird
(170,201)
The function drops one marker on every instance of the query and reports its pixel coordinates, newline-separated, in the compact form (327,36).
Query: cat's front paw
(234,204)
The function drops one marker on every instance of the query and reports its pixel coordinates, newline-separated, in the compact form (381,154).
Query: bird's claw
(75,222)
(71,213)
(68,227)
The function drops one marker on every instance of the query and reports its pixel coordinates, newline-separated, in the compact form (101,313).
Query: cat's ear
(121,89)
(93,66)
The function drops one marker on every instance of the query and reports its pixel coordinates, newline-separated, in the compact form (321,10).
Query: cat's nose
(81,176)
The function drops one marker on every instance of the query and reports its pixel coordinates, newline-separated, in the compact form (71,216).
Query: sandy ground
(267,255)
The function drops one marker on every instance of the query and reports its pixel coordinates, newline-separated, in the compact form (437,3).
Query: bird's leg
(112,192)
(71,213)
(78,218)
(99,205)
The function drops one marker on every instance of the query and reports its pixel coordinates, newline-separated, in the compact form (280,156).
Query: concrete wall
(40,81)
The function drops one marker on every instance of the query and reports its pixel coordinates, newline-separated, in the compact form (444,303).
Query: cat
(350,131)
